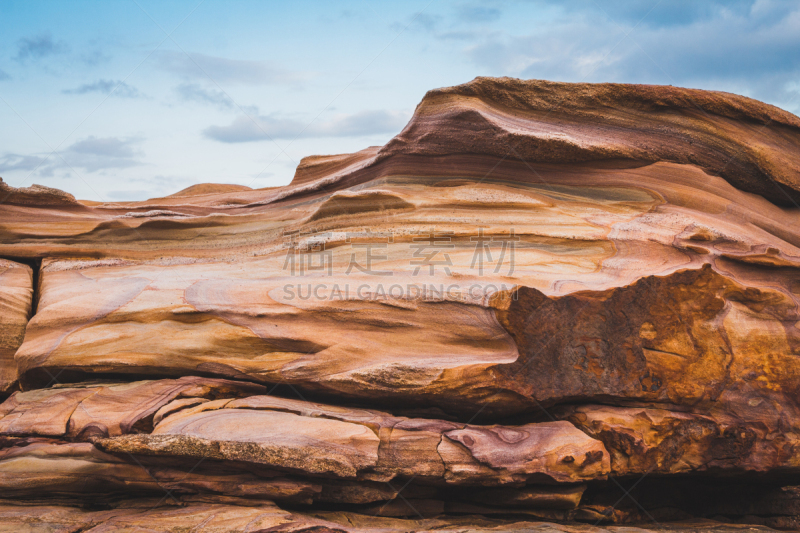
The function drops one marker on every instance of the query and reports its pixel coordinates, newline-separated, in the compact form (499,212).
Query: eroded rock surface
(540,301)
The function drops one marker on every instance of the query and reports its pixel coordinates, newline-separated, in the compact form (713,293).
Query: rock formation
(541,306)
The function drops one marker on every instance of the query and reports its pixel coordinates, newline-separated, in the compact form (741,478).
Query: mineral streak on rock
(570,303)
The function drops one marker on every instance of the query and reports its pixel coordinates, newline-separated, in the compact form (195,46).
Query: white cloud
(11,162)
(92,154)
(479,12)
(262,127)
(39,47)
(194,92)
(111,87)
(223,70)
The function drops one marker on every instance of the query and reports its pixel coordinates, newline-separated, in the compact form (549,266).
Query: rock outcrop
(563,307)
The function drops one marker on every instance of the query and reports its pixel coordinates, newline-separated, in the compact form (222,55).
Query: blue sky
(130,99)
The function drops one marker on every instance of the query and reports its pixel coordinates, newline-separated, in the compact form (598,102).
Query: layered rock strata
(564,302)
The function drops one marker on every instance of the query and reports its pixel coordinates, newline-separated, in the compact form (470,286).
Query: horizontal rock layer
(179,418)
(201,440)
(540,301)
(207,518)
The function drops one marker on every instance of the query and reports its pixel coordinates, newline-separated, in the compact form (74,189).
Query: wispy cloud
(469,23)
(111,87)
(95,57)
(224,70)
(194,92)
(92,154)
(662,14)
(106,147)
(478,12)
(10,162)
(261,127)
(424,22)
(39,47)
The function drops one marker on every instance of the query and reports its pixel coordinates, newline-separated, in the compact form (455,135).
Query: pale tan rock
(219,518)
(373,419)
(75,471)
(459,524)
(16,293)
(105,410)
(312,445)
(36,195)
(44,519)
(200,518)
(693,339)
(43,412)
(79,468)
(353,446)
(554,451)
(306,437)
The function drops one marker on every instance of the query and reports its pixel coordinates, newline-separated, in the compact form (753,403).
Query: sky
(135,99)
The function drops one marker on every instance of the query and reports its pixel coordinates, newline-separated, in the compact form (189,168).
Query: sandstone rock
(36,195)
(209,188)
(98,410)
(271,338)
(201,518)
(315,167)
(315,446)
(261,340)
(361,444)
(660,441)
(215,518)
(266,447)
(16,293)
(504,132)
(694,340)
(46,470)
(611,121)
(541,452)
(670,339)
